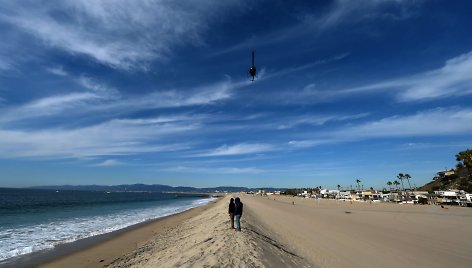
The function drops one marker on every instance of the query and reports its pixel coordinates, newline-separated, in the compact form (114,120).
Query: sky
(158,92)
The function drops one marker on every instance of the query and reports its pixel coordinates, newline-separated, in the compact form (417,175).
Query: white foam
(27,239)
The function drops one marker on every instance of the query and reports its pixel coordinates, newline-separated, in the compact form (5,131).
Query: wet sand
(100,251)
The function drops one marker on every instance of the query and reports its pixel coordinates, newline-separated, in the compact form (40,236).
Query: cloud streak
(125,35)
(102,98)
(453,79)
(239,149)
(430,123)
(115,137)
(338,13)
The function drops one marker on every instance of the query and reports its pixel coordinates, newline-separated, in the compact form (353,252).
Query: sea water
(32,220)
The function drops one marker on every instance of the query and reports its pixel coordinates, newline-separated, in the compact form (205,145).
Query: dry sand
(310,233)
(339,234)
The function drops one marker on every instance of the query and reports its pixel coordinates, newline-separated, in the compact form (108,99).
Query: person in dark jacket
(231,212)
(238,212)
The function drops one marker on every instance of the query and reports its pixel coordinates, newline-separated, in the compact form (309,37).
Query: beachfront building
(390,197)
(331,194)
(344,195)
(305,194)
(370,196)
(449,197)
(466,200)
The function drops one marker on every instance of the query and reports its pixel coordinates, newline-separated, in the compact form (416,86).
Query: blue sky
(112,92)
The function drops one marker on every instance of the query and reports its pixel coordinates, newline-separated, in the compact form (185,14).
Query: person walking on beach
(231,212)
(238,212)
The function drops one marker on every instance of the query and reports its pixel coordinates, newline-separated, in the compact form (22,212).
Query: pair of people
(235,211)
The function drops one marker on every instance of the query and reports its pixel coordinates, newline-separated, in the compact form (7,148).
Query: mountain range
(153,188)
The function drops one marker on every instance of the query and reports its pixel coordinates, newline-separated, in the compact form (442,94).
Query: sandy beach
(279,233)
(332,233)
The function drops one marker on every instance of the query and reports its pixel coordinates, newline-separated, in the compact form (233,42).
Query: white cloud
(109,163)
(5,65)
(122,34)
(436,122)
(265,74)
(115,137)
(97,87)
(59,71)
(49,106)
(107,99)
(214,170)
(430,123)
(344,11)
(239,149)
(339,12)
(453,79)
(317,120)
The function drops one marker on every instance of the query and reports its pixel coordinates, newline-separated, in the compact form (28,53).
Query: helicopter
(252,70)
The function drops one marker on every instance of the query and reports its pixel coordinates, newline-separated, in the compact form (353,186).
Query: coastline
(207,240)
(279,233)
(89,252)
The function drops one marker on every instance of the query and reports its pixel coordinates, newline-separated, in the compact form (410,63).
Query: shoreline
(100,250)
(277,232)
(207,240)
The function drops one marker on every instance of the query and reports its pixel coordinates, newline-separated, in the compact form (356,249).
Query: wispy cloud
(122,34)
(266,74)
(115,137)
(214,170)
(436,122)
(98,87)
(102,98)
(429,123)
(5,64)
(239,149)
(109,163)
(59,71)
(317,120)
(453,79)
(48,106)
(345,11)
(338,13)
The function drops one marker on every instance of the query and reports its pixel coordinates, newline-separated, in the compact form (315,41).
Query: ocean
(32,220)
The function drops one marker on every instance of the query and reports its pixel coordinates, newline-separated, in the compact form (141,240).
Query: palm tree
(389,183)
(396,184)
(401,177)
(408,177)
(358,184)
(339,186)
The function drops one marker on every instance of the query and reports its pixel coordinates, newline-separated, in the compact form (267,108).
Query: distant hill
(459,180)
(153,188)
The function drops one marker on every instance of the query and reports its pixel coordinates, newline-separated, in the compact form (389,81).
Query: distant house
(449,197)
(390,197)
(325,193)
(344,195)
(442,174)
(370,195)
(466,199)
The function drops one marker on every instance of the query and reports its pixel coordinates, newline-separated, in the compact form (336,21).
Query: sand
(332,233)
(110,247)
(275,233)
